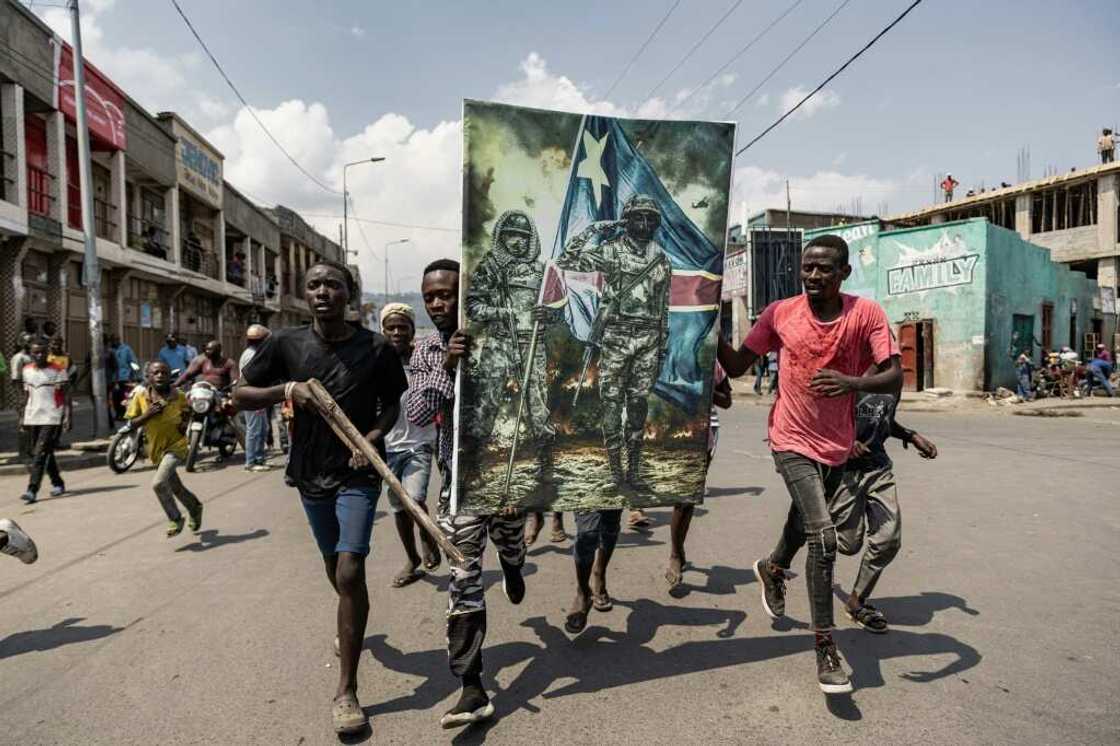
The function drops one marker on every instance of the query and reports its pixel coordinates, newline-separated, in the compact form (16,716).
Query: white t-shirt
(46,390)
(246,356)
(405,436)
(19,360)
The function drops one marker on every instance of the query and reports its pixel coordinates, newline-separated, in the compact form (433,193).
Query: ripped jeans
(811,486)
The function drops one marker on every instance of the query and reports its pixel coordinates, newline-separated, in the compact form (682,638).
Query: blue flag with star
(607,171)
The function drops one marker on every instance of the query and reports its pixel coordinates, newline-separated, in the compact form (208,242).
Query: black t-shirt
(362,373)
(874,415)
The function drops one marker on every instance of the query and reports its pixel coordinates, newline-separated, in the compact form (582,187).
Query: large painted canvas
(592,258)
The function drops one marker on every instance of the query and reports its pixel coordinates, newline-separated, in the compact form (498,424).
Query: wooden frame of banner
(357,442)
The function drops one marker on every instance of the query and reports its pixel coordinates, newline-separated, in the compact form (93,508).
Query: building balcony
(7,176)
(40,191)
(104,219)
(198,259)
(148,237)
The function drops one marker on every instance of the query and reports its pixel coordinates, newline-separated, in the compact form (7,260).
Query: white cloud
(825,99)
(763,100)
(757,189)
(358,32)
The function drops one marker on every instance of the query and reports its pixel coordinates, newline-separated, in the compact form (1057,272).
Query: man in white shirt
(46,411)
(409,449)
(256,421)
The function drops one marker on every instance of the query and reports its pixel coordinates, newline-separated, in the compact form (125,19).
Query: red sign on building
(104,101)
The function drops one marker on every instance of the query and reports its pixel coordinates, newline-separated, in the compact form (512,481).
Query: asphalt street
(1003,603)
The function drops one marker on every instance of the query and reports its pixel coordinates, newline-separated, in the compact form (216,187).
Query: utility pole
(346,199)
(91,273)
(391,243)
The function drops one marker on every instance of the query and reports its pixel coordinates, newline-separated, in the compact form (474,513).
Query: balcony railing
(271,287)
(235,270)
(149,237)
(104,219)
(40,193)
(7,176)
(198,259)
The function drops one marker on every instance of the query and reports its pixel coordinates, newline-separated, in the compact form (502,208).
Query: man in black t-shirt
(337,487)
(867,501)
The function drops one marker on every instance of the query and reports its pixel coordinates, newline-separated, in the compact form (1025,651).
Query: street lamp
(391,243)
(346,199)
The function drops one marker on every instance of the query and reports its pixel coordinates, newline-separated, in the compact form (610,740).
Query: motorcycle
(212,422)
(128,443)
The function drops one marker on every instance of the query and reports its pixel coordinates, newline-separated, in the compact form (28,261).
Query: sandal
(432,560)
(868,617)
(601,601)
(559,535)
(637,519)
(576,622)
(347,714)
(407,576)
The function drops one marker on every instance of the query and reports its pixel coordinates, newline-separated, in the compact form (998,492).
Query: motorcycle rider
(214,367)
(161,409)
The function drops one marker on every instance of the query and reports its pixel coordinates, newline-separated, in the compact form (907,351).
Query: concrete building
(179,248)
(1074,214)
(802,219)
(966,297)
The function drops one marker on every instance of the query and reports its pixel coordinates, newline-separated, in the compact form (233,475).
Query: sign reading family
(592,257)
(935,273)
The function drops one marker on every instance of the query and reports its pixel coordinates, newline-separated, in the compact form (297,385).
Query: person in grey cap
(256,421)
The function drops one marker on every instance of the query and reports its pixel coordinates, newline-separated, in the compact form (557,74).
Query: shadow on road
(83,491)
(600,659)
(66,632)
(915,611)
(720,580)
(725,491)
(210,538)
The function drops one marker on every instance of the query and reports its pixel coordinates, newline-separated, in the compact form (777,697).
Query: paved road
(1004,603)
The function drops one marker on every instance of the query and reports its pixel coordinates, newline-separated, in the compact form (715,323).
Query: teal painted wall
(939,273)
(1023,279)
(862,239)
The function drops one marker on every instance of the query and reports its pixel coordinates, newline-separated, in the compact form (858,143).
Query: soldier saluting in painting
(631,329)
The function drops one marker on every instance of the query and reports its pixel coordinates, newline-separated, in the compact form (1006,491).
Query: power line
(249,108)
(695,46)
(829,79)
(734,57)
(788,57)
(641,49)
(385,222)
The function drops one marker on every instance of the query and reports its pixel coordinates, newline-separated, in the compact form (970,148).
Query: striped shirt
(431,394)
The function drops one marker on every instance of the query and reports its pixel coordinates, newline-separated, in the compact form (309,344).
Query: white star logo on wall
(591,167)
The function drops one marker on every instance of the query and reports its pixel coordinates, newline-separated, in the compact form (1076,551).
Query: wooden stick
(356,441)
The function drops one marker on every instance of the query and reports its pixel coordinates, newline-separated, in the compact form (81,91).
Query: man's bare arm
(735,362)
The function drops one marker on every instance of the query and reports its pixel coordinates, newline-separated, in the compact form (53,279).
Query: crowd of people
(828,429)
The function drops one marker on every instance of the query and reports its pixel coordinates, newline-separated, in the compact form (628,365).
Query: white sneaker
(19,544)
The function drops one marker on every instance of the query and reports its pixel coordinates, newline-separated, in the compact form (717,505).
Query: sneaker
(195,523)
(773,585)
(260,467)
(58,489)
(513,585)
(830,672)
(337,648)
(19,544)
(868,617)
(174,528)
(29,497)
(473,707)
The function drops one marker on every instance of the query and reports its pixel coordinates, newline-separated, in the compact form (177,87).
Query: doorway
(915,340)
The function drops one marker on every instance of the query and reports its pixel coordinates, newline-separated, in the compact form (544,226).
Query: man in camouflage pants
(431,398)
(635,316)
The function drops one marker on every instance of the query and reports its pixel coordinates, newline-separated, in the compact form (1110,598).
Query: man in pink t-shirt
(827,339)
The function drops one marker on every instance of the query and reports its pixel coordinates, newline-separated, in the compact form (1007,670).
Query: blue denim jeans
(343,523)
(412,469)
(256,428)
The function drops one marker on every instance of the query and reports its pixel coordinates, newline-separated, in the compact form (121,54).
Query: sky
(957,86)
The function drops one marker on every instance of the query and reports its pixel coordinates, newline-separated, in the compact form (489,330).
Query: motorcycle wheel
(123,452)
(192,451)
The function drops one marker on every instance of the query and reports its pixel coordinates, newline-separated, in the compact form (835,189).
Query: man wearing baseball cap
(256,421)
